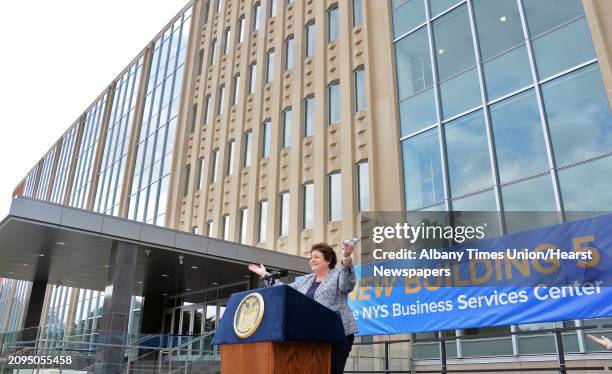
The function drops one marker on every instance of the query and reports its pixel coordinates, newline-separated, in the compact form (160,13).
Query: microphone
(276,274)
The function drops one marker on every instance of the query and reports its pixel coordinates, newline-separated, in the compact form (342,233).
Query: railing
(384,360)
(158,353)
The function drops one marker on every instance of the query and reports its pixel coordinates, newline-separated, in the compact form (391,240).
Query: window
(332,24)
(308,208)
(252,78)
(205,12)
(266,138)
(272,9)
(310,39)
(194,230)
(187,176)
(248,141)
(284,214)
(289,53)
(200,175)
(415,82)
(333,103)
(469,166)
(200,61)
(335,197)
(226,227)
(422,170)
(256,16)
(287,123)
(215,165)
(218,6)
(194,114)
(207,115)
(236,95)
(263,218)
(361,100)
(363,187)
(357,12)
(309,116)
(241,29)
(230,157)
(213,51)
(581,91)
(220,99)
(270,66)
(209,228)
(227,40)
(243,224)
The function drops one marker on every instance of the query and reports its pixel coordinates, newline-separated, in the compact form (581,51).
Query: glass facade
(494,114)
(157,131)
(87,151)
(14,296)
(45,174)
(118,135)
(62,170)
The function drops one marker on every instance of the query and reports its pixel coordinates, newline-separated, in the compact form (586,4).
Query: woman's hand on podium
(259,270)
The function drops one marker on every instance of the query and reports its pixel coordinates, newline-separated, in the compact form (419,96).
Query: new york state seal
(248,315)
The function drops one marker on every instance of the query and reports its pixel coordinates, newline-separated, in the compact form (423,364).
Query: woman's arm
(347,281)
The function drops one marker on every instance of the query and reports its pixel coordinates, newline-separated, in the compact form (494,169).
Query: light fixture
(165,275)
(503,18)
(164,294)
(187,289)
(194,267)
(440,51)
(139,282)
(106,266)
(181,257)
(215,283)
(25,264)
(60,243)
(41,255)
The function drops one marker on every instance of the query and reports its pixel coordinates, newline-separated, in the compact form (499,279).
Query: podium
(276,330)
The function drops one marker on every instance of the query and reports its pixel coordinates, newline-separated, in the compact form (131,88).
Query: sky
(56,58)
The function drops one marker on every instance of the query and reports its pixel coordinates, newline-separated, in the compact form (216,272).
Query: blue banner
(483,293)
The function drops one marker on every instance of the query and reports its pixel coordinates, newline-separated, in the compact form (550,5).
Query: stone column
(113,326)
(34,310)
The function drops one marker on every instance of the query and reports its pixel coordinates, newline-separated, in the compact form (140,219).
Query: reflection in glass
(417,112)
(460,94)
(586,187)
(437,6)
(519,141)
(498,25)
(507,73)
(485,210)
(408,16)
(454,48)
(468,154)
(542,15)
(481,202)
(422,170)
(534,196)
(578,115)
(551,50)
(413,64)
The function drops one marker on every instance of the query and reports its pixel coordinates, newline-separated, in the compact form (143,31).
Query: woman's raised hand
(259,270)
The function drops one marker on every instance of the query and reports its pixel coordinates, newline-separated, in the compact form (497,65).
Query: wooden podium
(276,330)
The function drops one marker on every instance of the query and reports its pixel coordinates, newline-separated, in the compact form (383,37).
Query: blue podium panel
(288,316)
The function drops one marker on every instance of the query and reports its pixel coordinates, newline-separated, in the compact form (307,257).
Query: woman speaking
(330,286)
